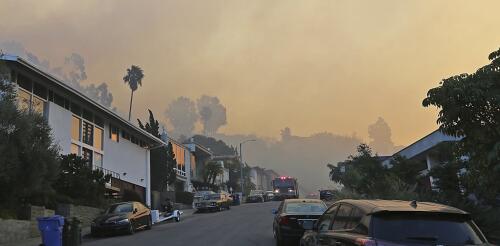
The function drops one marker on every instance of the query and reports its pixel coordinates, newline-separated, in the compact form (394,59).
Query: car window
(303,207)
(355,222)
(326,219)
(342,218)
(120,208)
(280,208)
(438,229)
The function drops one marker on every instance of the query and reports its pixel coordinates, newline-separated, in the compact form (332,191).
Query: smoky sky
(314,66)
(72,71)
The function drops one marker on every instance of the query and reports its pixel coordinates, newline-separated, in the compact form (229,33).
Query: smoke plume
(381,137)
(182,115)
(212,114)
(72,71)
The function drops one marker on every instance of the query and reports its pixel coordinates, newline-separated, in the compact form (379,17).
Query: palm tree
(134,80)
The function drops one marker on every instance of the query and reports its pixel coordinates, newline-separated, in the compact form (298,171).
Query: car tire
(279,241)
(178,218)
(150,223)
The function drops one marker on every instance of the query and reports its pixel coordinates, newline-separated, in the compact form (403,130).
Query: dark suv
(392,223)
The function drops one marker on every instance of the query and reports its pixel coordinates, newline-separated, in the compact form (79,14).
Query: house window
(97,159)
(113,133)
(24,100)
(98,138)
(87,155)
(37,105)
(125,135)
(24,82)
(98,121)
(76,109)
(88,133)
(40,91)
(75,128)
(75,149)
(87,115)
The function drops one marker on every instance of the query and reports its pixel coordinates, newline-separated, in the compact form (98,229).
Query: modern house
(84,127)
(422,150)
(201,156)
(186,161)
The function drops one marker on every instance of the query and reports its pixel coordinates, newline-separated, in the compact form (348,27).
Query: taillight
(284,220)
(365,242)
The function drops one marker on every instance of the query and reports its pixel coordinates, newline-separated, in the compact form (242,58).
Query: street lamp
(241,160)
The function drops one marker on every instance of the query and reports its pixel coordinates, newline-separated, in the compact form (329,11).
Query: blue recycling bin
(51,229)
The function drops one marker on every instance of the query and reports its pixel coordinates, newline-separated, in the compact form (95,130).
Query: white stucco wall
(59,120)
(125,157)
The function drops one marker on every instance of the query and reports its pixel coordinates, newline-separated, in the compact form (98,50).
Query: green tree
(28,157)
(162,160)
(211,171)
(80,182)
(469,107)
(133,78)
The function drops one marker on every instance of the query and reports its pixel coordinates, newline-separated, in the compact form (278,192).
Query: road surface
(248,224)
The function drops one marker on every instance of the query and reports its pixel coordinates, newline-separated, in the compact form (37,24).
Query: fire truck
(285,188)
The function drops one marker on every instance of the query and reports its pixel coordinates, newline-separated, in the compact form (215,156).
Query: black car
(393,223)
(125,217)
(326,195)
(256,196)
(290,217)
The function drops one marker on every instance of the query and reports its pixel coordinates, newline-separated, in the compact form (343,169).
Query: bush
(184,197)
(131,196)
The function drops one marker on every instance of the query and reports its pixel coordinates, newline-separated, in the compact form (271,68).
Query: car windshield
(305,207)
(120,208)
(255,192)
(428,228)
(215,197)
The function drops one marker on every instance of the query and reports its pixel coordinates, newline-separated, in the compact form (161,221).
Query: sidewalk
(36,241)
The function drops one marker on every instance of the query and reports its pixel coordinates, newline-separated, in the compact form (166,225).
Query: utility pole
(241,161)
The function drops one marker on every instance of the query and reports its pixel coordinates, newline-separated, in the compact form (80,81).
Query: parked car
(269,196)
(255,196)
(326,195)
(382,222)
(290,217)
(122,217)
(214,202)
(200,196)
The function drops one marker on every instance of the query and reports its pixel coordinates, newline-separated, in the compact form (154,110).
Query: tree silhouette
(133,78)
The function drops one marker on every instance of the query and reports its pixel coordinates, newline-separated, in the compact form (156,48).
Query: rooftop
(378,206)
(25,64)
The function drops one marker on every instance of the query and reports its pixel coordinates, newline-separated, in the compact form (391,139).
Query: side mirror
(135,210)
(274,211)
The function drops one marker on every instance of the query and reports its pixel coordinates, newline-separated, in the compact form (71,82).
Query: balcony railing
(106,172)
(180,172)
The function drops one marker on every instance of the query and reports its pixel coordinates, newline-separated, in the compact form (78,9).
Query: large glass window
(88,133)
(75,149)
(37,105)
(24,100)
(97,159)
(75,128)
(40,91)
(87,155)
(113,133)
(24,82)
(98,138)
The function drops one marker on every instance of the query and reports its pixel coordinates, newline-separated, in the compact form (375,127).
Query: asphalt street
(248,224)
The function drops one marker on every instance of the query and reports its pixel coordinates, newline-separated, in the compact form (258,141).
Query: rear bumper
(292,233)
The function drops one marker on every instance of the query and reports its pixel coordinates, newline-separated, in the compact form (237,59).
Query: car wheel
(279,241)
(178,218)
(150,223)
(131,229)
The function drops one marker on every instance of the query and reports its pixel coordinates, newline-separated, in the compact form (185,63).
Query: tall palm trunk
(130,109)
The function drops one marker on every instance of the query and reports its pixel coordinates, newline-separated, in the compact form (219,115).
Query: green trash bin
(72,233)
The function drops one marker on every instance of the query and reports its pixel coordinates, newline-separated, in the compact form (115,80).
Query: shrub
(131,196)
(184,197)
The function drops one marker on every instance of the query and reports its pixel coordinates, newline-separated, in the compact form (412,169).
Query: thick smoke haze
(72,71)
(182,115)
(380,135)
(212,114)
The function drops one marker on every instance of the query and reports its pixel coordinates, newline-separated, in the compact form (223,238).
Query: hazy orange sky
(313,66)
